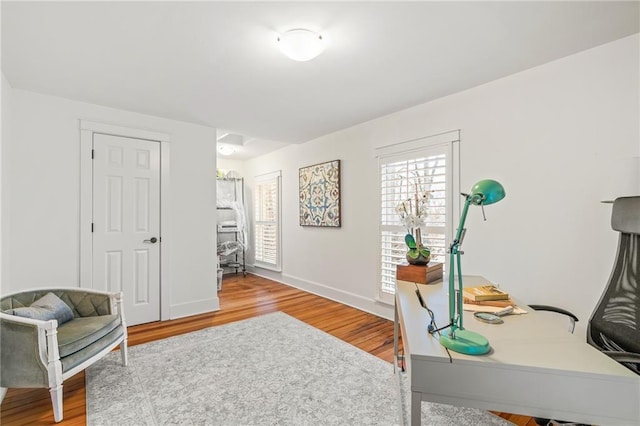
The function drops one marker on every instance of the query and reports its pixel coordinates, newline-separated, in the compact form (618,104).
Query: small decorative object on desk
(423,274)
(417,253)
(413,212)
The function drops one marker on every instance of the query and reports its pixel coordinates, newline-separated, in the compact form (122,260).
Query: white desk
(535,368)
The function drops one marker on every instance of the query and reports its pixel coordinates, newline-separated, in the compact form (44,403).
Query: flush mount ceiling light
(226,149)
(300,44)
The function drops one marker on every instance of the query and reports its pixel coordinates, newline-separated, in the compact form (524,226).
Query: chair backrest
(82,303)
(615,323)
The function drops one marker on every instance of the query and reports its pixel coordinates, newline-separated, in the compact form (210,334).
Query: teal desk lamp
(456,337)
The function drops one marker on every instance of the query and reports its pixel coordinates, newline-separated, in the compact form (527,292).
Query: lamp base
(465,342)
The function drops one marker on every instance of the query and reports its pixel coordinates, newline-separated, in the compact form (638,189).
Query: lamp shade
(487,191)
(300,44)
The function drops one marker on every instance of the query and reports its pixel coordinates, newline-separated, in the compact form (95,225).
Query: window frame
(450,143)
(259,180)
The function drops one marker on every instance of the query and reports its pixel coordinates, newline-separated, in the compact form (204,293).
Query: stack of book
(487,295)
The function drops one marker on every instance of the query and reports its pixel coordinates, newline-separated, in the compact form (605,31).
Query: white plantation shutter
(267,221)
(431,165)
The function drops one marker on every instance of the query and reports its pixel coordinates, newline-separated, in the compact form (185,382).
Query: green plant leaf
(425,252)
(413,253)
(410,241)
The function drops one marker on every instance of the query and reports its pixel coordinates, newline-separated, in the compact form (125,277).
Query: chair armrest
(23,350)
(572,318)
(554,309)
(117,301)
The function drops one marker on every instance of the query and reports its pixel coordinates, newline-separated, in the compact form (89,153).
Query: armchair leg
(123,352)
(56,400)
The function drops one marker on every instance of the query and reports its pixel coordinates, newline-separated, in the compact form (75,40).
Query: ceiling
(217,64)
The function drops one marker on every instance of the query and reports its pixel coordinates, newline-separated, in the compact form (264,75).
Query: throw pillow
(46,308)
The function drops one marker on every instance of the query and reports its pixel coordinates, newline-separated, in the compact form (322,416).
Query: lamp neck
(463,218)
(455,297)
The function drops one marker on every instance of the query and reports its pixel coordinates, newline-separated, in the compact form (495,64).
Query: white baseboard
(357,301)
(194,308)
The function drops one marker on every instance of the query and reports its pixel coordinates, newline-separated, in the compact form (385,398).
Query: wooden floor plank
(241,298)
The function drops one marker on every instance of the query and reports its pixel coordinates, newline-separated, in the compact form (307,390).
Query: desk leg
(395,338)
(416,408)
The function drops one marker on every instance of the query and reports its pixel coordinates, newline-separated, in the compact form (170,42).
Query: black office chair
(614,326)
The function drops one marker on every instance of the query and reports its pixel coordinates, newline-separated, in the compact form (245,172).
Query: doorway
(124,248)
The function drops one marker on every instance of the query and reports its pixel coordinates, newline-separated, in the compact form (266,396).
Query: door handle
(152,240)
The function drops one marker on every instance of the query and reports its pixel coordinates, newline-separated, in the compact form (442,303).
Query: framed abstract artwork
(319,197)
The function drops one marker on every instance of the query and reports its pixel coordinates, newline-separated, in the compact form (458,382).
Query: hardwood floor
(240,298)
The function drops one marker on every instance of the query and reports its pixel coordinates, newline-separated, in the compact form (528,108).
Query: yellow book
(484,292)
(498,303)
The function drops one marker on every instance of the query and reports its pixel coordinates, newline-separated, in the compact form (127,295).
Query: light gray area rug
(267,370)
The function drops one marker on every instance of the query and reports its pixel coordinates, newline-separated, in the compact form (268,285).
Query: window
(267,221)
(425,162)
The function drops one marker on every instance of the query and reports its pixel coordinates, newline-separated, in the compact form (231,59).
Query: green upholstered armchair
(42,353)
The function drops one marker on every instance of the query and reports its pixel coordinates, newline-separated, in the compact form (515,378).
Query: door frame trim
(87,130)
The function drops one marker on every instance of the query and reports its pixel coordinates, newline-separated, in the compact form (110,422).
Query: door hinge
(92,227)
(93,153)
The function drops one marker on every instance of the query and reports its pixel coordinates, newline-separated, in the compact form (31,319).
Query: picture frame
(319,194)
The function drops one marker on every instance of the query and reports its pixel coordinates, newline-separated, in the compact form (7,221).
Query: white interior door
(126,223)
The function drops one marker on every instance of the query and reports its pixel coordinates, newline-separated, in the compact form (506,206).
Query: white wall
(560,137)
(5,124)
(43,204)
